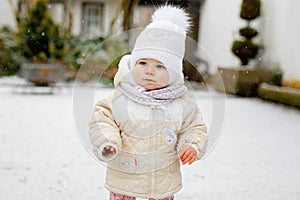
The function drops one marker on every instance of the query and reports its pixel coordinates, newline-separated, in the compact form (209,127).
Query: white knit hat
(164,40)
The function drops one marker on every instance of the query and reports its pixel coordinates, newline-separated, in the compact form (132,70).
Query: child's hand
(107,150)
(187,154)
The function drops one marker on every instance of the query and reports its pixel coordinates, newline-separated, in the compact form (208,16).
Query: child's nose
(150,69)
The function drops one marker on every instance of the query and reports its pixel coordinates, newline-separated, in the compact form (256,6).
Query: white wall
(279,26)
(283,36)
(219,24)
(6,14)
(76,11)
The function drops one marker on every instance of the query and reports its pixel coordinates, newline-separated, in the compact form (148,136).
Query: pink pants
(114,196)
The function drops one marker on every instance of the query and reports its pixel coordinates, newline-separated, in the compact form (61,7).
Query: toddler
(148,124)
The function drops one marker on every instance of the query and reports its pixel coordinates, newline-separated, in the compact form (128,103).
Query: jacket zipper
(152,149)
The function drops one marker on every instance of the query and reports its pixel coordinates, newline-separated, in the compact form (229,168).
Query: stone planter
(42,74)
(242,81)
(286,95)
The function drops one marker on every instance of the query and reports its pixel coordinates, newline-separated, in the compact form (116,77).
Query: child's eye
(142,63)
(160,66)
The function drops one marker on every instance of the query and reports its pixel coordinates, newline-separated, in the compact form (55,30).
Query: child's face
(150,74)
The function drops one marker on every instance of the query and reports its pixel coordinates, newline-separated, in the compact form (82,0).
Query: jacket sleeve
(103,130)
(193,130)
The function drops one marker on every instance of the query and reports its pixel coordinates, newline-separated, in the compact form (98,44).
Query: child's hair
(164,40)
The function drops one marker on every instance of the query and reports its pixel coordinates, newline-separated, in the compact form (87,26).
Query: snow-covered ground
(42,156)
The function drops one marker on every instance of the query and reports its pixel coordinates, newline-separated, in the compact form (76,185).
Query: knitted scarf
(153,97)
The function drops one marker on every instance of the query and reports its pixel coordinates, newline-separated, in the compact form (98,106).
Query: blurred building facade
(216,25)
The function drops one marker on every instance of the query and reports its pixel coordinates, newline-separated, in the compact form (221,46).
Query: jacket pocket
(124,163)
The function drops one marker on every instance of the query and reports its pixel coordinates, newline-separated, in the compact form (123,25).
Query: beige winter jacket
(148,140)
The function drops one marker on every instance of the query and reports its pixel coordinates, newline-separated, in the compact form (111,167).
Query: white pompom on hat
(164,40)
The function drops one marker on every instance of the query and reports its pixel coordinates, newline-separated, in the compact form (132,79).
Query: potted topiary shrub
(246,49)
(42,43)
(244,80)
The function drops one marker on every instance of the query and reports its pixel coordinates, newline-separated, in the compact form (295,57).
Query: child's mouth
(149,80)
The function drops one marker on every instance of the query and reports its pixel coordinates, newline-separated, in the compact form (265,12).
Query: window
(92,20)
(142,16)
